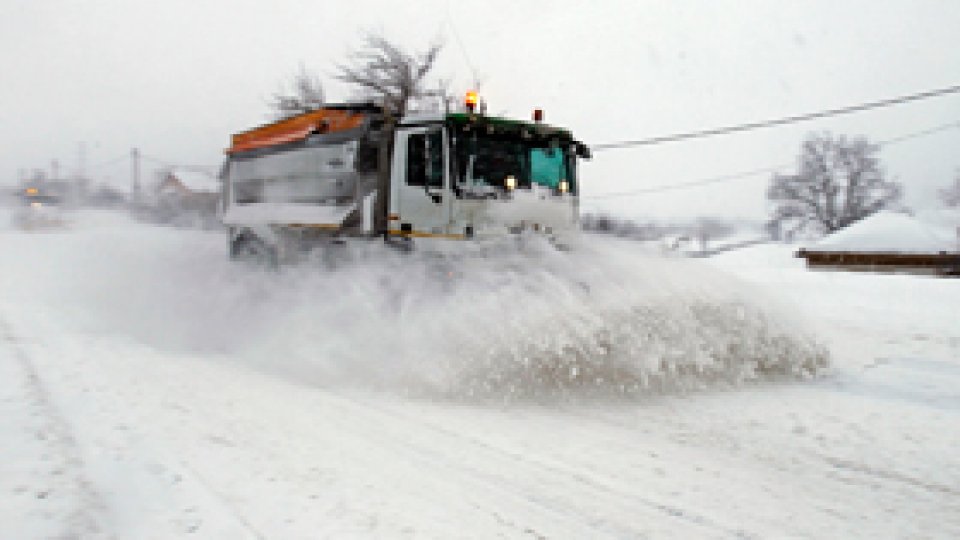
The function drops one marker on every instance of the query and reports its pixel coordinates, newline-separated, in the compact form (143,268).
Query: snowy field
(150,389)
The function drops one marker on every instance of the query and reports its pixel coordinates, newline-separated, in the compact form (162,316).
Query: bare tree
(950,195)
(390,75)
(306,94)
(839,181)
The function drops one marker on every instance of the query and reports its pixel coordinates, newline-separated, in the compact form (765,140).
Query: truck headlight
(510,182)
(564,186)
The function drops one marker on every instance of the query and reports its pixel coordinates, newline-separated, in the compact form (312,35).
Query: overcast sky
(176,78)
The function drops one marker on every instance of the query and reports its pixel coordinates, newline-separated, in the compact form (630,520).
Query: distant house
(187,197)
(887,242)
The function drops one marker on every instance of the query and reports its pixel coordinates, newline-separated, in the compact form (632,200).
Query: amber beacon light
(471,100)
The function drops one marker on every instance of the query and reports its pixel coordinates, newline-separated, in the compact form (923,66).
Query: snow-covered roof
(888,232)
(945,220)
(196,181)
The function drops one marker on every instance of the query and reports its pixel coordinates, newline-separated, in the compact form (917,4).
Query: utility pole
(135,163)
(82,160)
(81,170)
(54,170)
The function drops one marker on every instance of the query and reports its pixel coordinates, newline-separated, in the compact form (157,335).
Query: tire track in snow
(578,479)
(147,492)
(889,476)
(222,499)
(381,444)
(805,463)
(82,522)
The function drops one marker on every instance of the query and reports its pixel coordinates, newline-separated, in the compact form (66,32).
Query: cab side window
(425,159)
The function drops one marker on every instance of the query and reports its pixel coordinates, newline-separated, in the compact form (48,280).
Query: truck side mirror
(583,150)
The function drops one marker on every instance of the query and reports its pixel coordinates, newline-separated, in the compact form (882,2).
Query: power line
(765,170)
(688,184)
(917,134)
(456,35)
(205,169)
(108,162)
(156,160)
(779,121)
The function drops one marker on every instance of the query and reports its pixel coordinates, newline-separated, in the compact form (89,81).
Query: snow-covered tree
(305,94)
(395,78)
(950,195)
(838,181)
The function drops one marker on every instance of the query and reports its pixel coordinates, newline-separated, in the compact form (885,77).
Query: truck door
(419,182)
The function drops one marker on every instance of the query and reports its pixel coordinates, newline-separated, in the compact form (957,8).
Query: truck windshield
(484,163)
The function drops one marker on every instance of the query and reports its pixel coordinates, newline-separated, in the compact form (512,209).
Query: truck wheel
(253,251)
(403,244)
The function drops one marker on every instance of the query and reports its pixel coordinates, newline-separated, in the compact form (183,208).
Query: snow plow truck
(352,171)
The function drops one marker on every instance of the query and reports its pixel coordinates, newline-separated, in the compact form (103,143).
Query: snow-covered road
(147,391)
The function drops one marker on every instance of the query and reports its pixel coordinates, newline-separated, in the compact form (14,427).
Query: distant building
(887,242)
(187,197)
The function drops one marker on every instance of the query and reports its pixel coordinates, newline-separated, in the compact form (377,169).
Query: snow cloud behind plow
(601,320)
(512,322)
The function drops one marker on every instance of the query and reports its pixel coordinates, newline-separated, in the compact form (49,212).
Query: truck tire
(403,244)
(251,250)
